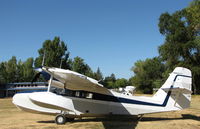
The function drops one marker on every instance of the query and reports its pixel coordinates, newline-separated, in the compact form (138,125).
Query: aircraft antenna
(61,60)
(43,58)
(61,63)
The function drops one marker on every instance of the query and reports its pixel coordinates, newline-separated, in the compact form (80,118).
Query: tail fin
(177,89)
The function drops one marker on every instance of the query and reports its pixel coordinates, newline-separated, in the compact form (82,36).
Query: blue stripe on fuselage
(124,100)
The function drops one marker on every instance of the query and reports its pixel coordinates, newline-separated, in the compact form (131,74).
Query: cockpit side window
(89,95)
(72,93)
(77,94)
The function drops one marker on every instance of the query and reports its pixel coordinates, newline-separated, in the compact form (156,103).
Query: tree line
(181,47)
(55,54)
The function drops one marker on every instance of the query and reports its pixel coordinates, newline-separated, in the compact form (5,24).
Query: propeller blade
(38,69)
(44,74)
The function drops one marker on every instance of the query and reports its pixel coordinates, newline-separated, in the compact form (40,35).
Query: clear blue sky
(110,34)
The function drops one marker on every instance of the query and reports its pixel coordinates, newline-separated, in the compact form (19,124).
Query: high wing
(74,81)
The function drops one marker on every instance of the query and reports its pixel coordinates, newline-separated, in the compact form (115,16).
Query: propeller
(36,77)
(100,81)
(41,72)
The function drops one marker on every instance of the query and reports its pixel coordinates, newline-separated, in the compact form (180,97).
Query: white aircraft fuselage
(175,94)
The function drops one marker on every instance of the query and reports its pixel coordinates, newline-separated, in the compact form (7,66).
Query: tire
(60,119)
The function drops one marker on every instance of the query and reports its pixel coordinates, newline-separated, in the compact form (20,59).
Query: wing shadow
(114,122)
(125,122)
(184,117)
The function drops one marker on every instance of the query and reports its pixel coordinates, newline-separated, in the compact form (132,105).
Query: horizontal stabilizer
(178,89)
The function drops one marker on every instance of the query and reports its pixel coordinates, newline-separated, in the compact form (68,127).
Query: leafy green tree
(146,73)
(182,40)
(112,77)
(19,72)
(16,71)
(177,47)
(98,75)
(121,83)
(55,52)
(78,65)
(81,67)
(109,81)
(3,73)
(27,69)
(11,70)
(193,14)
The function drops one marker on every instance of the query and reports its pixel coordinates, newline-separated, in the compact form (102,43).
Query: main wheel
(60,119)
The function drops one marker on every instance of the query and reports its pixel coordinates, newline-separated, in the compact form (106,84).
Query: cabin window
(77,94)
(83,95)
(89,95)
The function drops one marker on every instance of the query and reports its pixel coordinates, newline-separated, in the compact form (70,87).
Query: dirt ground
(13,118)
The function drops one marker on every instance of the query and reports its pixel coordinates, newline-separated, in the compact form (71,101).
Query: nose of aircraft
(15,99)
(18,99)
(22,101)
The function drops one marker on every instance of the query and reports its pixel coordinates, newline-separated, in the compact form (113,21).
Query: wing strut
(50,81)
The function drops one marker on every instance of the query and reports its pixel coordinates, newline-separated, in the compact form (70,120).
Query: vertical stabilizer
(177,89)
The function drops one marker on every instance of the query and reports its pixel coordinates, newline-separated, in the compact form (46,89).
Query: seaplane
(72,95)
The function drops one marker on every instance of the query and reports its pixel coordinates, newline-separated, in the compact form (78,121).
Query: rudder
(178,87)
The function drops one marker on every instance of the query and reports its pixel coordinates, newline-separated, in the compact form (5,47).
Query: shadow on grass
(50,121)
(119,122)
(115,122)
(189,116)
(184,117)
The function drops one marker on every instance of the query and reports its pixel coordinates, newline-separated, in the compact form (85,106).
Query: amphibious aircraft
(72,95)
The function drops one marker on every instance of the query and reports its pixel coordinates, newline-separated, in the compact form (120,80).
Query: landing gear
(62,119)
(140,118)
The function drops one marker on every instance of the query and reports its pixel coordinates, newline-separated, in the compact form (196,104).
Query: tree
(81,67)
(121,83)
(98,75)
(11,70)
(182,40)
(27,70)
(8,71)
(3,73)
(146,73)
(16,71)
(109,81)
(193,14)
(19,73)
(55,52)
